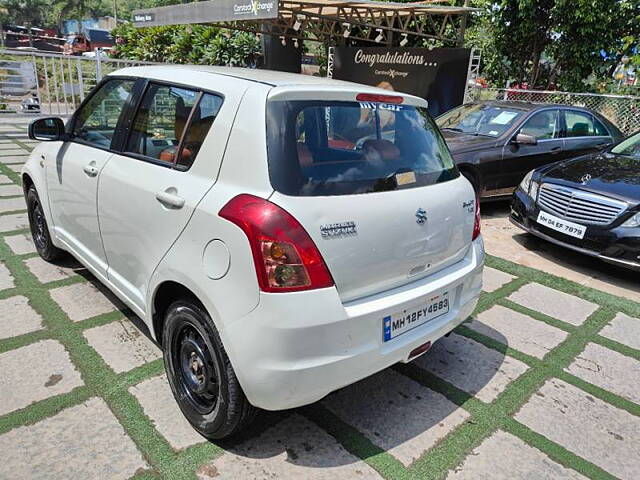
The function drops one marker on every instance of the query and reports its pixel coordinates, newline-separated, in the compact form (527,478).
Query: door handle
(555,150)
(91,170)
(170,199)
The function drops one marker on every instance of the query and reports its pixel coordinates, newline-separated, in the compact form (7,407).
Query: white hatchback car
(282,236)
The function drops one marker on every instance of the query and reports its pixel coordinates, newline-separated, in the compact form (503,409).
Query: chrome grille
(579,206)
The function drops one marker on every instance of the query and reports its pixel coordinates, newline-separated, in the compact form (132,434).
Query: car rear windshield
(341,148)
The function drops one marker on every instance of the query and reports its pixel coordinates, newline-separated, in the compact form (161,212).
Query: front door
(72,177)
(148,193)
(520,158)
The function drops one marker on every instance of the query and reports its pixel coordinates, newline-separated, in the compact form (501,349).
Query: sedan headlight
(529,186)
(634,221)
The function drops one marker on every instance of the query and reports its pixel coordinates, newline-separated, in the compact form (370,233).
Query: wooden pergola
(327,21)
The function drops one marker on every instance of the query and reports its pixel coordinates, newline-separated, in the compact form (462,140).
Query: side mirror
(47,129)
(524,139)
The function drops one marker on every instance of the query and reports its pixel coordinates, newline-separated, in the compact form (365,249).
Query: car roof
(269,77)
(528,106)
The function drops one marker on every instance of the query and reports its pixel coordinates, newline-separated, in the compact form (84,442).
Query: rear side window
(171,124)
(343,148)
(581,124)
(95,123)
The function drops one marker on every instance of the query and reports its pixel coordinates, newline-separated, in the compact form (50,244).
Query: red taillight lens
(285,257)
(374,97)
(476,223)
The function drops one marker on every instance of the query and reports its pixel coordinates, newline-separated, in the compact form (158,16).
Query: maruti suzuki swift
(282,236)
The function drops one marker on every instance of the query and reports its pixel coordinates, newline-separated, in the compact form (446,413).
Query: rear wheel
(39,228)
(200,374)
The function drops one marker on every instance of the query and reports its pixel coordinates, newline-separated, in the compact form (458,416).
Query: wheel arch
(164,295)
(472,173)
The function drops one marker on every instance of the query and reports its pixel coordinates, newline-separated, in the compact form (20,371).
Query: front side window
(95,123)
(581,124)
(340,148)
(168,116)
(543,125)
(480,119)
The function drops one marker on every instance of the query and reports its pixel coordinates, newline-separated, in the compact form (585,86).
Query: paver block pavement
(23,383)
(21,243)
(121,345)
(83,442)
(17,317)
(493,279)
(518,331)
(49,272)
(9,190)
(159,405)
(397,414)
(478,370)
(293,449)
(15,221)
(5,179)
(623,329)
(16,168)
(12,204)
(554,303)
(84,300)
(6,279)
(609,370)
(589,427)
(503,456)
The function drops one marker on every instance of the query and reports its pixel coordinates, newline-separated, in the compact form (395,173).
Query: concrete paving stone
(13,159)
(472,367)
(397,414)
(554,303)
(589,427)
(9,190)
(503,456)
(16,168)
(518,331)
(84,300)
(48,272)
(5,179)
(14,151)
(17,317)
(12,204)
(293,449)
(122,346)
(33,373)
(6,279)
(15,221)
(493,279)
(159,405)
(85,441)
(609,370)
(21,243)
(623,329)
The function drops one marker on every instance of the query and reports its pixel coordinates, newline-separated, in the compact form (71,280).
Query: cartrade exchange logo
(254,7)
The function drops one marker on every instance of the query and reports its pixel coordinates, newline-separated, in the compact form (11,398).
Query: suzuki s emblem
(585,179)
(421,216)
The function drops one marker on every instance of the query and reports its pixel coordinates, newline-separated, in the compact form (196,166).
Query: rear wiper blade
(453,129)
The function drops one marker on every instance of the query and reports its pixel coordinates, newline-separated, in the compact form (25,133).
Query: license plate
(401,322)
(558,224)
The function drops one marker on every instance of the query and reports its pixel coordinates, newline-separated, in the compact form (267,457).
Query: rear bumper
(296,348)
(619,245)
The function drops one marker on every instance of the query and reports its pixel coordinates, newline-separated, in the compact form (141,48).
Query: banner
(438,75)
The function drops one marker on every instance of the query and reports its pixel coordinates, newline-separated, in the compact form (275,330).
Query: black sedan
(495,143)
(590,204)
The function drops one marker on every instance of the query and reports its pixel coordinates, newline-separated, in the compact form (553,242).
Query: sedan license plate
(558,224)
(401,322)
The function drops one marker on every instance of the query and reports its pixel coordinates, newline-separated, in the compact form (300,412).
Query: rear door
(149,191)
(584,133)
(518,159)
(375,187)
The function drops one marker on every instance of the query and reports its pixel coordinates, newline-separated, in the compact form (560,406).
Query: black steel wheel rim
(38,226)
(195,369)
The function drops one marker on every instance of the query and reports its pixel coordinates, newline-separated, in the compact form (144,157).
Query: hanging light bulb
(298,24)
(295,42)
(283,40)
(380,36)
(347,30)
(404,40)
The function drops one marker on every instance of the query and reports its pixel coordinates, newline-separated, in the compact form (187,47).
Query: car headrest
(384,148)
(580,129)
(305,157)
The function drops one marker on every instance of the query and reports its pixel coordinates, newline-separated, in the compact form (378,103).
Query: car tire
(39,228)
(200,374)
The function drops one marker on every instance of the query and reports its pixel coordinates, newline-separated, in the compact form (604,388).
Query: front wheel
(200,374)
(39,228)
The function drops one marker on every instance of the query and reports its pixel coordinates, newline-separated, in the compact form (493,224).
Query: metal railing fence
(60,82)
(622,110)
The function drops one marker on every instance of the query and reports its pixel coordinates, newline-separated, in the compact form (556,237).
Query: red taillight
(285,257)
(374,97)
(476,223)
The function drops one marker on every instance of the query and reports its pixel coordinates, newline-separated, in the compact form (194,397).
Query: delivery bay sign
(438,75)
